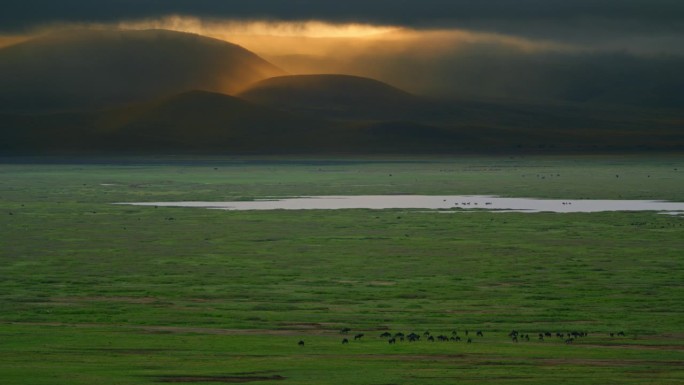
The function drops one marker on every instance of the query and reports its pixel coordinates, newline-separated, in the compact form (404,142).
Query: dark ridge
(333,96)
(75,70)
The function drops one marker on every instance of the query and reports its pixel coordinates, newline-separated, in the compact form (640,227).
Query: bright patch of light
(222,28)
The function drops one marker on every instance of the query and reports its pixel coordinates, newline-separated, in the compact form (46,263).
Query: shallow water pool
(433,202)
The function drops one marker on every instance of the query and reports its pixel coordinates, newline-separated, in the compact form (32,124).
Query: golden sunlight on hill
(8,40)
(316,47)
(417,60)
(231,28)
(319,38)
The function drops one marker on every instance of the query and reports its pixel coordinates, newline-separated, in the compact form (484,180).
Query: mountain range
(157,91)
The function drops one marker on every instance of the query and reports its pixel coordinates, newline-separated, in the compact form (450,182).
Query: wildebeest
(392,341)
(345,341)
(385,335)
(300,343)
(480,334)
(469,340)
(621,334)
(358,336)
(345,330)
(431,339)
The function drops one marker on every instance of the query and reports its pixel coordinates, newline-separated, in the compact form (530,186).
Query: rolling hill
(202,122)
(158,91)
(194,121)
(334,96)
(103,68)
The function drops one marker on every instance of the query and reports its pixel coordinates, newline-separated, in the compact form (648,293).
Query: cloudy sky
(613,51)
(556,19)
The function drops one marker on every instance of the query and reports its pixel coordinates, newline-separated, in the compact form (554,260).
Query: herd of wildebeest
(468,336)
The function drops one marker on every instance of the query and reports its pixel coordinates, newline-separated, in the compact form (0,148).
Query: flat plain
(97,293)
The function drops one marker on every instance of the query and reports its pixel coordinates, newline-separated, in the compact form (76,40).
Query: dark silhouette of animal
(345,330)
(358,336)
(431,339)
(392,341)
(427,333)
(345,341)
(300,343)
(569,340)
(442,338)
(621,334)
(480,334)
(399,335)
(385,335)
(469,340)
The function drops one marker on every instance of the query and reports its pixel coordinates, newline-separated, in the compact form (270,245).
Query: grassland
(95,293)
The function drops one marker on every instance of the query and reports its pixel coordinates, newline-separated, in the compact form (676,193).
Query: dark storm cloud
(506,14)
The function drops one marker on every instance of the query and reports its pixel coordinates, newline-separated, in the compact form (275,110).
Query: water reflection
(447,202)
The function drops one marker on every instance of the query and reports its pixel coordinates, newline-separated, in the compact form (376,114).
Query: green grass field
(95,293)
